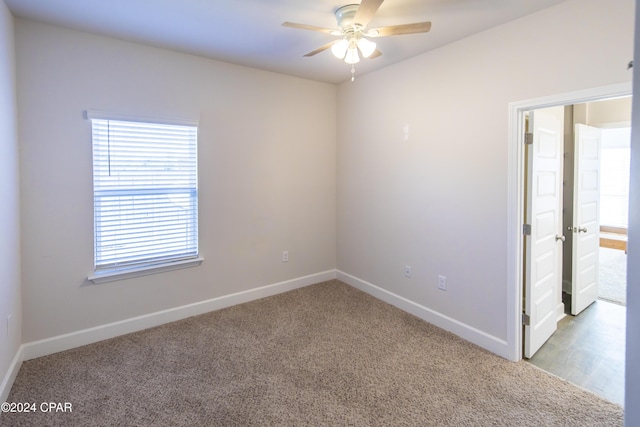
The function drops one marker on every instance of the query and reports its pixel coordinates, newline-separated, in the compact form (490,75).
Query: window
(614,177)
(145,196)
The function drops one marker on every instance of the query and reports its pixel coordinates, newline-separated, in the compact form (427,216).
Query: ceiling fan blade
(321,48)
(365,12)
(375,54)
(396,30)
(310,27)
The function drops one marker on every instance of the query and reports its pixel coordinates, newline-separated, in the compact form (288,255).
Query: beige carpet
(324,355)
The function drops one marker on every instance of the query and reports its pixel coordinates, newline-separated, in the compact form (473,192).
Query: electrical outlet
(442,283)
(285,256)
(407,271)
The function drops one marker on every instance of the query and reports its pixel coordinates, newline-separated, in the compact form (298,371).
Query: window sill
(114,275)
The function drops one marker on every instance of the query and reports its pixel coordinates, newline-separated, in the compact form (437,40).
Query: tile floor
(589,350)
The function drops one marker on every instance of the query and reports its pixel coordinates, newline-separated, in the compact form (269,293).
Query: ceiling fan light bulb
(352,56)
(367,47)
(339,49)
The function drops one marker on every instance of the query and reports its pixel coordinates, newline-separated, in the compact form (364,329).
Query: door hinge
(528,138)
(526,320)
(526,229)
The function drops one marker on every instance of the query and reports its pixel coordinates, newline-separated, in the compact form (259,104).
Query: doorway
(587,349)
(516,197)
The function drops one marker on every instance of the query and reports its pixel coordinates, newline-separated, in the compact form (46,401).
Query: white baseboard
(464,331)
(12,373)
(99,333)
(88,336)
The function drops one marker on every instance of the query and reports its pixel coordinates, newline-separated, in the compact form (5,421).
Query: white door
(586,218)
(543,272)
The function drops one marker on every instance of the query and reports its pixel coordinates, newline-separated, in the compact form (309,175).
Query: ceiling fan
(352,29)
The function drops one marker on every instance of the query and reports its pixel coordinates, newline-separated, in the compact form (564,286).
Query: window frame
(153,266)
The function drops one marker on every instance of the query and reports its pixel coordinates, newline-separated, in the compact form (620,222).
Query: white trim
(560,314)
(113,275)
(88,336)
(106,115)
(12,373)
(467,332)
(515,196)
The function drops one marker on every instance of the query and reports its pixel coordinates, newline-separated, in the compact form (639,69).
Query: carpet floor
(326,354)
(612,276)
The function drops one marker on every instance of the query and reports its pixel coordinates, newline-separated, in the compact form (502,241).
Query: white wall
(423,157)
(267,179)
(632,376)
(10,207)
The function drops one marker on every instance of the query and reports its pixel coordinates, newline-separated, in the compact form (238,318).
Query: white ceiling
(249,32)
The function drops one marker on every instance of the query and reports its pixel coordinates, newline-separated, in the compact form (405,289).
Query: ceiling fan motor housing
(345,16)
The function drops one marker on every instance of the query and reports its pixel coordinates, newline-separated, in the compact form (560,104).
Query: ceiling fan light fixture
(367,47)
(352,55)
(339,49)
(352,20)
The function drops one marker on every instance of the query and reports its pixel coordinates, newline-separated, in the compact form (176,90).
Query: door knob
(582,229)
(559,237)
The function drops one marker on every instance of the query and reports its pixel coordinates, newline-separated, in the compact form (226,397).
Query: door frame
(515,197)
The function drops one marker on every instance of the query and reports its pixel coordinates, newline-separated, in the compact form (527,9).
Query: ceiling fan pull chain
(353,72)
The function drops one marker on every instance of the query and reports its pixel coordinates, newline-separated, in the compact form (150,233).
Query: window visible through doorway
(614,180)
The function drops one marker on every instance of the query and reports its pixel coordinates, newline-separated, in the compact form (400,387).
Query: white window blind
(145,193)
